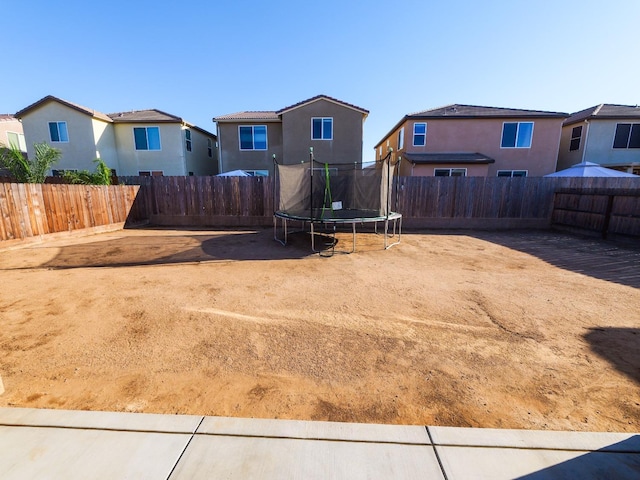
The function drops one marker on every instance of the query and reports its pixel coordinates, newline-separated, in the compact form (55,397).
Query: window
(153,173)
(58,132)
(576,134)
(322,128)
(147,138)
(517,134)
(512,173)
(258,173)
(401,139)
(209,149)
(380,152)
(419,134)
(17,140)
(450,172)
(253,137)
(187,136)
(627,135)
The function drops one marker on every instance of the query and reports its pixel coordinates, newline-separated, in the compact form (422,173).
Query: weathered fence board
(29,210)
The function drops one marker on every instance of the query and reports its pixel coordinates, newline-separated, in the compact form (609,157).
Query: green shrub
(25,170)
(102,175)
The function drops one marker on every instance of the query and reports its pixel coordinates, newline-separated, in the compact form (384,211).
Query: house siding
(80,151)
(599,146)
(198,160)
(6,126)
(482,135)
(567,158)
(170,159)
(232,158)
(346,145)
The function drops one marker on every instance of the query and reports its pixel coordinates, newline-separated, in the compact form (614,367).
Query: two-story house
(142,142)
(248,140)
(605,134)
(468,140)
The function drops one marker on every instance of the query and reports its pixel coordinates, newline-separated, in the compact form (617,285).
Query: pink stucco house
(468,140)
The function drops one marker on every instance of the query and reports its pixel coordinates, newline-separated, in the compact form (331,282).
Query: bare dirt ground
(506,330)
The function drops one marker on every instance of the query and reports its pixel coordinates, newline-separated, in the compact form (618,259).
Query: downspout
(219,148)
(586,137)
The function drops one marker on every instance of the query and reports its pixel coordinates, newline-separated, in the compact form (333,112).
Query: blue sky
(201,59)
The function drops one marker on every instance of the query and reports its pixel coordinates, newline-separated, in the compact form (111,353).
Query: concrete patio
(63,444)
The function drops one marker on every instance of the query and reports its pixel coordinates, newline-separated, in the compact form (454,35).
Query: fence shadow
(593,257)
(619,346)
(619,460)
(159,249)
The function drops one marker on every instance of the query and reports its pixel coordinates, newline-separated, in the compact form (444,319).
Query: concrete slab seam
(184,449)
(314,439)
(100,429)
(435,452)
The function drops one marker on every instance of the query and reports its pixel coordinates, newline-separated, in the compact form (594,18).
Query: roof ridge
(597,110)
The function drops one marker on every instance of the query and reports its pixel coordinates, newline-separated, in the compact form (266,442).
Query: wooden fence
(31,210)
(607,212)
(425,202)
(28,210)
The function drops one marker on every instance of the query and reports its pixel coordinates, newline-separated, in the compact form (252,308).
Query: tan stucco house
(248,140)
(11,132)
(468,140)
(141,142)
(605,134)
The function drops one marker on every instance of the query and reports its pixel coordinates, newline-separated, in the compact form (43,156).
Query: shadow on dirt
(159,249)
(618,460)
(593,257)
(619,346)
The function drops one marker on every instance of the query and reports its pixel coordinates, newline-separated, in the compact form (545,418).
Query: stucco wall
(480,135)
(599,145)
(346,145)
(169,159)
(13,126)
(198,160)
(567,158)
(409,170)
(232,158)
(80,151)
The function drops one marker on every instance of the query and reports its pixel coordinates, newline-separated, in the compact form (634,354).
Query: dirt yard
(504,330)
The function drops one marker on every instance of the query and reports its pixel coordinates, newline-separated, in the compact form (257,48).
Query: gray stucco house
(605,134)
(248,140)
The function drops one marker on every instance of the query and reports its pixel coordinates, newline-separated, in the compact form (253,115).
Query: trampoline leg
(275,230)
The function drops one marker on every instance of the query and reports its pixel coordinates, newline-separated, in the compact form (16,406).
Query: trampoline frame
(391,217)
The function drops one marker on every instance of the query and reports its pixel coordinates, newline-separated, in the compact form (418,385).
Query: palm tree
(29,171)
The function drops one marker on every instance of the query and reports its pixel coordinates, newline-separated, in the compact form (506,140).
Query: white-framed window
(58,132)
(419,134)
(187,137)
(516,135)
(209,148)
(16,140)
(258,173)
(401,139)
(576,135)
(252,137)
(150,173)
(627,135)
(449,172)
(322,128)
(380,152)
(146,138)
(512,173)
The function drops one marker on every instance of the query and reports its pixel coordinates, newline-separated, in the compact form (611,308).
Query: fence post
(607,216)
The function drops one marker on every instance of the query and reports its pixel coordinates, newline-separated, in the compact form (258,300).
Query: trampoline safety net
(329,191)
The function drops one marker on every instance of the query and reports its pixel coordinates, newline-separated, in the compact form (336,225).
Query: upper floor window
(209,149)
(419,134)
(380,152)
(517,134)
(450,172)
(187,136)
(253,137)
(627,135)
(512,173)
(17,140)
(576,135)
(322,128)
(401,139)
(58,132)
(147,138)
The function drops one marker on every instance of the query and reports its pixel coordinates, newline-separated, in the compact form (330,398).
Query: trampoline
(328,195)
